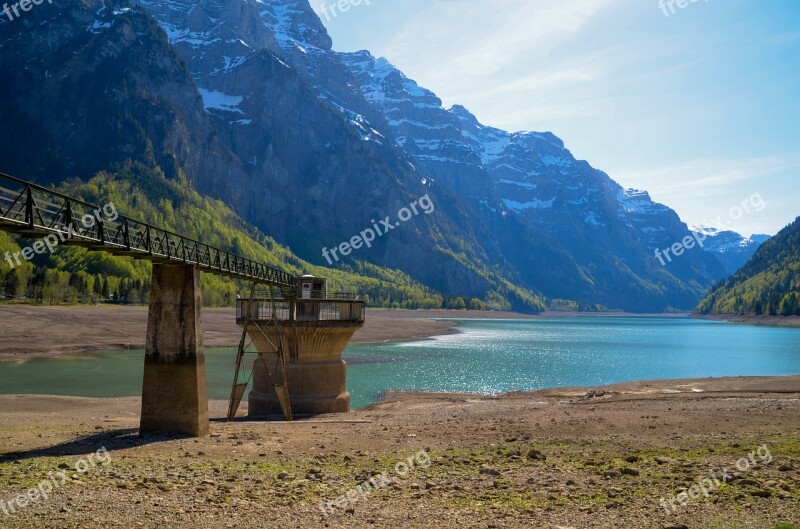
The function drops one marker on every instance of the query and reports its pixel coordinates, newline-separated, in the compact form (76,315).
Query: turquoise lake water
(487,356)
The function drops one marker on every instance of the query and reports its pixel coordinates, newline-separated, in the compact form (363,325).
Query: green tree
(789,305)
(458,304)
(12,284)
(476,304)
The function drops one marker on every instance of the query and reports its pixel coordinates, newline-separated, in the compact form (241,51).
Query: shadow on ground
(110,439)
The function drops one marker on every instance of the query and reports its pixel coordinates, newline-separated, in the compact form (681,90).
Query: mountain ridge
(311,145)
(731,248)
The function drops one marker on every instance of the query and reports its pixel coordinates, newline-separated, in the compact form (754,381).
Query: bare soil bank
(572,457)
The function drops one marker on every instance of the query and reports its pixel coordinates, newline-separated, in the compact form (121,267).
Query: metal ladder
(281,388)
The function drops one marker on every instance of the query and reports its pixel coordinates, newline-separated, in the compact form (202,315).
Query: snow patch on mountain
(557,161)
(381,77)
(526,185)
(177,35)
(213,100)
(593,219)
(532,204)
(732,249)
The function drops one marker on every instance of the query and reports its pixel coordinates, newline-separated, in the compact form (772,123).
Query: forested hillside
(75,275)
(768,284)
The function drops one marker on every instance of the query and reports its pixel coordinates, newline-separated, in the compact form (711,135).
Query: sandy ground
(43,331)
(567,458)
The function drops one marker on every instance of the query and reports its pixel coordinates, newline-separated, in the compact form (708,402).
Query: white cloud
(709,177)
(483,39)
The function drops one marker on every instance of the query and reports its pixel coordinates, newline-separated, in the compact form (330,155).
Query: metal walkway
(35,211)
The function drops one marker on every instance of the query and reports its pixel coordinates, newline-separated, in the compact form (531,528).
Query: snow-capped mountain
(531,176)
(732,249)
(249,100)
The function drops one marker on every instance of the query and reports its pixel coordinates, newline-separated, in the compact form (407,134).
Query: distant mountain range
(247,102)
(768,284)
(732,249)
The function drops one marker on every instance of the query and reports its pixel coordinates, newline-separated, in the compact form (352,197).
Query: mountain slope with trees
(75,275)
(768,284)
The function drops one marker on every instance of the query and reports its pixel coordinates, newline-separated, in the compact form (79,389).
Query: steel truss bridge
(35,211)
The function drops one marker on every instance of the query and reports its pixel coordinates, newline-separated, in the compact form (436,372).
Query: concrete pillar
(315,372)
(174,393)
(314,388)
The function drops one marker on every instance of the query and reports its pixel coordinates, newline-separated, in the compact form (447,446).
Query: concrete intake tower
(300,340)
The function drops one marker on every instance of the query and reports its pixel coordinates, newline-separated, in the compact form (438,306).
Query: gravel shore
(573,457)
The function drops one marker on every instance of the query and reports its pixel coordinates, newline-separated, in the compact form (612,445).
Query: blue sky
(700,107)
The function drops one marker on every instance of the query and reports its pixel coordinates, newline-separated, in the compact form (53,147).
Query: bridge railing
(35,211)
(279,295)
(306,310)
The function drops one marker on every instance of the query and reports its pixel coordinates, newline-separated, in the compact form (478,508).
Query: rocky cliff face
(247,99)
(319,172)
(108,87)
(89,86)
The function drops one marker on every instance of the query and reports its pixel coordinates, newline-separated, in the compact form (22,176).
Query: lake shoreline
(657,389)
(28,331)
(752,319)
